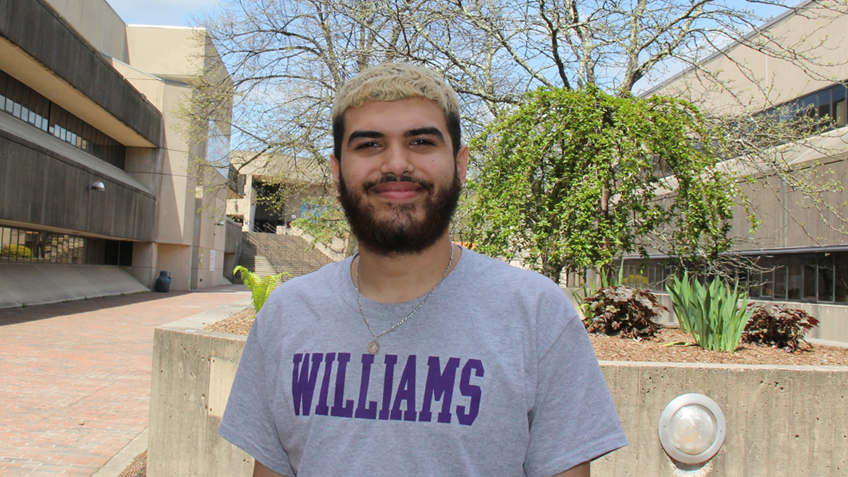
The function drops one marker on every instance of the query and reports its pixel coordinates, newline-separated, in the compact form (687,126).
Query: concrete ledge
(193,372)
(124,458)
(38,284)
(781,420)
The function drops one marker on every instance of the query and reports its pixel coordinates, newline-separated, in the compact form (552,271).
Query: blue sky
(160,12)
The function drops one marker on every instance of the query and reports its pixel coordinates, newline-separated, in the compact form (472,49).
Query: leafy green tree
(573,179)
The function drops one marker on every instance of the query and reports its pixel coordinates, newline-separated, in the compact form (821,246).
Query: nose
(397,161)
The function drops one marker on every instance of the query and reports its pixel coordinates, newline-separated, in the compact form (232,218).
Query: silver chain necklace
(374,346)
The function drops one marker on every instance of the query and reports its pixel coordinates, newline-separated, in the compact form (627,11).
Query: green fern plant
(260,288)
(714,315)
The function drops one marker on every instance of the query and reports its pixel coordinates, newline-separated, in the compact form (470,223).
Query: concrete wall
(814,33)
(45,52)
(144,263)
(233,237)
(97,22)
(177,260)
(791,219)
(35,284)
(192,374)
(781,421)
(167,52)
(42,187)
(169,170)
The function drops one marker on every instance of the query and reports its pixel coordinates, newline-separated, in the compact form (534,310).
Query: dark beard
(402,233)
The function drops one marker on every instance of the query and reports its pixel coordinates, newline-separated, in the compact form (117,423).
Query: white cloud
(160,12)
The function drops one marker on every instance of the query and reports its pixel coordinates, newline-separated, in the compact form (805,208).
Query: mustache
(426,185)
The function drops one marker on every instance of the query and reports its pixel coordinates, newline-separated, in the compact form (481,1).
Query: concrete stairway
(268,254)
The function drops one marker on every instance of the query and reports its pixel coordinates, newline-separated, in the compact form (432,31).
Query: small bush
(628,312)
(15,251)
(778,326)
(714,315)
(260,288)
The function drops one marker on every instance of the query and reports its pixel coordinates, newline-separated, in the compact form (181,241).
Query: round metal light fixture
(692,428)
(98,186)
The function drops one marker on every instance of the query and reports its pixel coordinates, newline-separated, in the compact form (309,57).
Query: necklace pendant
(374,347)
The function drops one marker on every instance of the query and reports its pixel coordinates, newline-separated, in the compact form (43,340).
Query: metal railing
(265,228)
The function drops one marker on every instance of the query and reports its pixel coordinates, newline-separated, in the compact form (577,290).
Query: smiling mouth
(398,188)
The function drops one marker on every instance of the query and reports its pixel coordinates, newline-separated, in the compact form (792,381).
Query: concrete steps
(269,254)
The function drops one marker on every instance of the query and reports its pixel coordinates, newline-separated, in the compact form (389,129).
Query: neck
(398,278)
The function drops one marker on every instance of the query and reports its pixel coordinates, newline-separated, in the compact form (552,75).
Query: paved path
(75,377)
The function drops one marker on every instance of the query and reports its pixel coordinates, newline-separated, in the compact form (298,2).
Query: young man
(416,356)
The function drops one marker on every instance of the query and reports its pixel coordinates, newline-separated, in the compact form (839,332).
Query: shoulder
(517,296)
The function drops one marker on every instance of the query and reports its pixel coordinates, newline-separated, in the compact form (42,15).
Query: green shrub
(15,251)
(714,315)
(261,288)
(628,312)
(778,326)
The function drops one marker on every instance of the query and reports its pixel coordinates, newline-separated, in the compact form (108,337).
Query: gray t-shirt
(494,375)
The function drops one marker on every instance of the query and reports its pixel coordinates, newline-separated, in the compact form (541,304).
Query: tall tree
(574,179)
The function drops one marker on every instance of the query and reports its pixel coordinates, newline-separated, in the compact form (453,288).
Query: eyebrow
(426,131)
(365,134)
(430,131)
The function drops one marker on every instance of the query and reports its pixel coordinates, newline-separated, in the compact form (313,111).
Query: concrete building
(100,187)
(289,181)
(802,244)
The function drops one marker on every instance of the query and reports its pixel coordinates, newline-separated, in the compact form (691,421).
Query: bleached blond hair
(395,82)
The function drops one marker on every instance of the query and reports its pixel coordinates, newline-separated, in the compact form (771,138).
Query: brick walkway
(75,377)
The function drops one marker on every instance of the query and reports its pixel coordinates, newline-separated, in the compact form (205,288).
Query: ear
(462,163)
(335,168)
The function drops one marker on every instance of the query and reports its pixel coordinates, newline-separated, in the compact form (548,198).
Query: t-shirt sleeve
(573,419)
(247,421)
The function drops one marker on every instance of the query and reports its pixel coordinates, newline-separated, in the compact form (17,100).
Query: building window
(810,277)
(37,246)
(780,276)
(20,101)
(825,279)
(767,277)
(829,105)
(794,278)
(840,277)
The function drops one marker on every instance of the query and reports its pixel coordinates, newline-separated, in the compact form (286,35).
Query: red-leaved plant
(778,326)
(624,311)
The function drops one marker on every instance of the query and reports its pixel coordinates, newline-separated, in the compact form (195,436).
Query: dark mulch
(613,348)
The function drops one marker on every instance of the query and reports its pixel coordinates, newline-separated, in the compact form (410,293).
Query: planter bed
(781,420)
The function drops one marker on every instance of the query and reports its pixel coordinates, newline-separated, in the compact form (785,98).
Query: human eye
(423,142)
(365,145)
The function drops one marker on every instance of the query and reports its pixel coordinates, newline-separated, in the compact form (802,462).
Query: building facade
(277,190)
(99,181)
(800,250)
